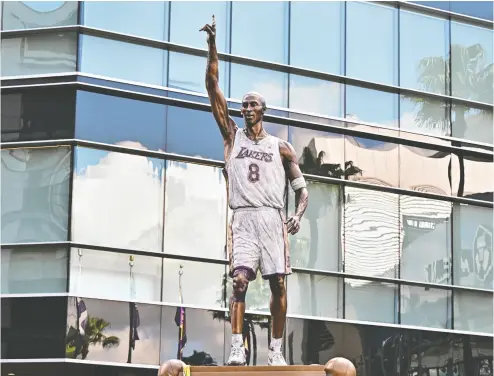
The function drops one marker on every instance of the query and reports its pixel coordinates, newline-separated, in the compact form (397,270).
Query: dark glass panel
(473,311)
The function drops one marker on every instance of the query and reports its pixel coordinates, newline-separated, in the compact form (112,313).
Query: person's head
(253,108)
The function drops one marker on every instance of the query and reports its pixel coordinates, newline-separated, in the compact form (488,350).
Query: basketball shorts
(257,240)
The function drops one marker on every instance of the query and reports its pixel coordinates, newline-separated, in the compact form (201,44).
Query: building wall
(112,188)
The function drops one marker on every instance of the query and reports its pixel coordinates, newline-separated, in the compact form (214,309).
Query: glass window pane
(268,39)
(371,106)
(315,295)
(127,193)
(424,306)
(192,189)
(271,84)
(45,114)
(372,36)
(187,72)
(371,301)
(118,60)
(35,194)
(424,52)
(479,9)
(425,240)
(37,14)
(121,121)
(115,322)
(310,18)
(470,176)
(34,270)
(472,246)
(371,231)
(471,62)
(473,311)
(472,123)
(147,19)
(317,244)
(187,17)
(110,275)
(424,115)
(316,96)
(39,54)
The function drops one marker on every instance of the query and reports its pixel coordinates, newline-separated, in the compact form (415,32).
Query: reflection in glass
(272,85)
(200,283)
(470,177)
(148,19)
(425,240)
(113,331)
(424,47)
(424,306)
(112,275)
(471,62)
(473,311)
(39,54)
(315,295)
(271,28)
(190,190)
(371,106)
(118,60)
(472,123)
(371,228)
(186,16)
(372,37)
(309,19)
(424,115)
(317,244)
(116,120)
(316,96)
(37,14)
(34,270)
(472,246)
(35,194)
(127,193)
(425,170)
(205,336)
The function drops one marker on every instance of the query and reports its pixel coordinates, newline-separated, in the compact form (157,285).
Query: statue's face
(252,109)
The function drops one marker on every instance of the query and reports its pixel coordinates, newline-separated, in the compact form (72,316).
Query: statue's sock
(237,340)
(276,344)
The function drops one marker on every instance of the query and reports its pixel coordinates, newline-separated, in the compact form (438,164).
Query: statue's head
(253,108)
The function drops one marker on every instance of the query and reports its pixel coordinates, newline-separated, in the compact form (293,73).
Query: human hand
(210,30)
(293,224)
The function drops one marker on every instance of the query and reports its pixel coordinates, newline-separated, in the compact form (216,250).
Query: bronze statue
(257,169)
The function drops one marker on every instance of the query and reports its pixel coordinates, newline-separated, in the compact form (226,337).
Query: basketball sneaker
(275,358)
(237,356)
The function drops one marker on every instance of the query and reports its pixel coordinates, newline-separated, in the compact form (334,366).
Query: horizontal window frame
(174,47)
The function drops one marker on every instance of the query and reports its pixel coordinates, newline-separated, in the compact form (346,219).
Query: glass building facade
(114,208)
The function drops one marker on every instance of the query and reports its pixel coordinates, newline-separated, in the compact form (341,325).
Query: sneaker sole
(235,364)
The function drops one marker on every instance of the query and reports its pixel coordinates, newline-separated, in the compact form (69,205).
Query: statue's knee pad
(240,284)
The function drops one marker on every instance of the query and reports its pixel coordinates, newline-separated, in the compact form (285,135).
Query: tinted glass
(113,275)
(194,133)
(472,246)
(127,191)
(317,244)
(479,9)
(315,295)
(36,14)
(147,19)
(187,17)
(33,336)
(35,194)
(471,60)
(326,19)
(118,60)
(268,40)
(424,115)
(114,331)
(39,54)
(470,177)
(472,123)
(372,37)
(473,311)
(316,96)
(200,284)
(34,270)
(205,336)
(195,210)
(121,121)
(38,115)
(425,240)
(424,47)
(423,306)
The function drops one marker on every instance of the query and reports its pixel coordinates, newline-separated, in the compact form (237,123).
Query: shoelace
(236,351)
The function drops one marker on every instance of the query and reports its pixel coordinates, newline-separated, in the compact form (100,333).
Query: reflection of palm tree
(78,344)
(314,165)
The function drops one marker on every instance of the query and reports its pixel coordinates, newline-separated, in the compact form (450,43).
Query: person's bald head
(253,108)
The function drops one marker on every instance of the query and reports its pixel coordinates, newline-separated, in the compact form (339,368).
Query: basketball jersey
(256,175)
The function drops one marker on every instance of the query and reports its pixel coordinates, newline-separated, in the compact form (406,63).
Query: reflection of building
(393,263)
